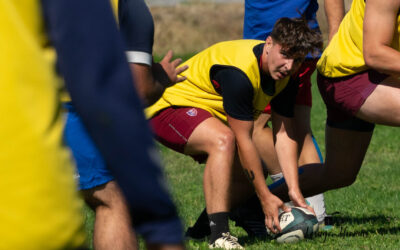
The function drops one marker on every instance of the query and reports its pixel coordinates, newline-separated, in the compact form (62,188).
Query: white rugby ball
(296,225)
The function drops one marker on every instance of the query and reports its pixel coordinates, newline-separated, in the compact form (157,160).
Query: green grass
(368,216)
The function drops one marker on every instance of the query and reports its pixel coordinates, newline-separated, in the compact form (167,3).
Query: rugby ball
(296,225)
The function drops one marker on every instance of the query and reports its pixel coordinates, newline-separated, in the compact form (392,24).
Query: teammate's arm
(380,22)
(137,27)
(334,11)
(91,59)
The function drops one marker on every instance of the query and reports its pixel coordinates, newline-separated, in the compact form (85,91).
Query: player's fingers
(168,56)
(310,209)
(277,224)
(285,208)
(176,62)
(181,69)
(181,79)
(269,224)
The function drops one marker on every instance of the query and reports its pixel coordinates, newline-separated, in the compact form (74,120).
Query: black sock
(218,224)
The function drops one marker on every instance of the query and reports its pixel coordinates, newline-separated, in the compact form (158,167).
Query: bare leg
(264,142)
(112,228)
(383,105)
(345,153)
(215,138)
(308,152)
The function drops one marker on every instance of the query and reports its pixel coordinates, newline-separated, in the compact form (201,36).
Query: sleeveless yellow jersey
(344,54)
(39,207)
(198,91)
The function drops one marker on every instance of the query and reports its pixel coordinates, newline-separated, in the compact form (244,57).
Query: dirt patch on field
(193,27)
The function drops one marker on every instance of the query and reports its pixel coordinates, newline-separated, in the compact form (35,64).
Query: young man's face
(275,61)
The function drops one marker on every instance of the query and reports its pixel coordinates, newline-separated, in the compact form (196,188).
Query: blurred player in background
(210,117)
(113,228)
(40,208)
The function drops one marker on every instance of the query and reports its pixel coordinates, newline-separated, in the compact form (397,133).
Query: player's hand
(171,68)
(271,207)
(298,200)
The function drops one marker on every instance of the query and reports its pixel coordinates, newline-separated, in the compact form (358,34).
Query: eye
(284,54)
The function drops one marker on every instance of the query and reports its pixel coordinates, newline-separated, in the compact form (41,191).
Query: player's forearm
(252,167)
(148,87)
(382,58)
(334,11)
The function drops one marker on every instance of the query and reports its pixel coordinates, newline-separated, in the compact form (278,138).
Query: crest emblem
(191,112)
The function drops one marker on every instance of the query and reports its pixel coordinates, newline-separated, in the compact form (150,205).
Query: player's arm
(252,167)
(91,59)
(137,27)
(237,93)
(334,11)
(285,140)
(380,21)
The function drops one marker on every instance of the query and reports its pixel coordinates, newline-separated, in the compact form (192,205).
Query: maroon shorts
(303,77)
(344,96)
(173,126)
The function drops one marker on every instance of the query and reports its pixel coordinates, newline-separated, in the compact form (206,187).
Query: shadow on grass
(370,225)
(339,220)
(347,226)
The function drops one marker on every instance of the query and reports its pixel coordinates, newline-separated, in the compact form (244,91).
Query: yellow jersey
(39,207)
(198,91)
(344,54)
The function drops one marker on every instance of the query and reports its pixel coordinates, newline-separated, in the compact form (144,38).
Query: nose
(289,64)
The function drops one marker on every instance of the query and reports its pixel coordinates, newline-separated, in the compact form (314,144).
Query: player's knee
(338,180)
(104,196)
(224,142)
(347,180)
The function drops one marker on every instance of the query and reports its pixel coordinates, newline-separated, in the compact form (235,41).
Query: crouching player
(210,116)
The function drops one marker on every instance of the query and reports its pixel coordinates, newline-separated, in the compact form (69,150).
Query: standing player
(40,208)
(113,227)
(210,117)
(358,80)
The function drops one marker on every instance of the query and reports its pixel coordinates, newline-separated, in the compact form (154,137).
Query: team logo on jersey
(191,112)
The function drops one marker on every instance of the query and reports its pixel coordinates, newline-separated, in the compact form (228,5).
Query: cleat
(226,241)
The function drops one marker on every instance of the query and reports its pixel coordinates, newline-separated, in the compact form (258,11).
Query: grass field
(368,211)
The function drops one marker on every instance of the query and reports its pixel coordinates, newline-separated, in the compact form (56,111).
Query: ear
(267,45)
(269,41)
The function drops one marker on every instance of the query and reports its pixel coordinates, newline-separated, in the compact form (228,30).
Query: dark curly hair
(296,38)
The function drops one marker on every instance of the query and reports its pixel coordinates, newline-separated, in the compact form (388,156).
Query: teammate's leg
(264,142)
(112,228)
(383,105)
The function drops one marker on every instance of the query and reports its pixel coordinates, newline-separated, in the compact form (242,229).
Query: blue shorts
(92,170)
